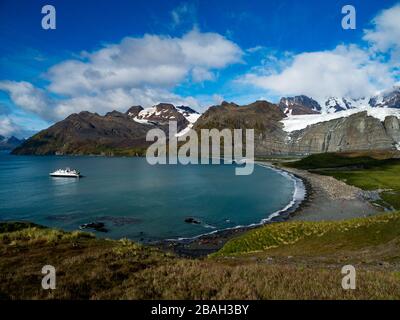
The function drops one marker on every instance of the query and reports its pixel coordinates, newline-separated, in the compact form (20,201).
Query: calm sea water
(136,200)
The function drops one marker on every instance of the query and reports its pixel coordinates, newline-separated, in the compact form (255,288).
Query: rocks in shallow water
(120,220)
(192,221)
(98,226)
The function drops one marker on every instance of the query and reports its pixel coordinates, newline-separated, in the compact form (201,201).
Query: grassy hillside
(316,238)
(368,172)
(90,268)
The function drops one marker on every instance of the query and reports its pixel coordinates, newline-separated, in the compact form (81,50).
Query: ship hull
(64,175)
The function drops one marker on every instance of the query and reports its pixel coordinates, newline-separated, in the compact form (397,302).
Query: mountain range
(9,143)
(296,125)
(304,105)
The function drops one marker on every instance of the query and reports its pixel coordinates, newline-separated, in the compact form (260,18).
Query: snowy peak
(387,99)
(299,105)
(190,114)
(134,111)
(161,114)
(335,104)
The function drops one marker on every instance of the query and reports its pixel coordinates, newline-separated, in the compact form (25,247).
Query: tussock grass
(39,234)
(90,268)
(325,235)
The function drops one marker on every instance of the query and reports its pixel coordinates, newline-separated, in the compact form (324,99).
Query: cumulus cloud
(150,61)
(135,71)
(6,126)
(25,95)
(34,100)
(344,71)
(385,34)
(353,71)
(119,99)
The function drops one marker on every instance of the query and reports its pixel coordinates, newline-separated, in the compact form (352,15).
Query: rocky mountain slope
(297,125)
(114,133)
(9,143)
(299,105)
(358,131)
(276,134)
(388,99)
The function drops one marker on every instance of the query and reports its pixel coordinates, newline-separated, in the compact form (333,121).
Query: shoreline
(325,198)
(204,244)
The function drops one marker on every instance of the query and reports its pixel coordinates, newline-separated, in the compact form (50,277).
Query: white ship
(66,173)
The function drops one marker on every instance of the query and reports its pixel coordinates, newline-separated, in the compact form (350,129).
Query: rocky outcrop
(134,111)
(262,116)
(392,126)
(160,115)
(299,105)
(356,132)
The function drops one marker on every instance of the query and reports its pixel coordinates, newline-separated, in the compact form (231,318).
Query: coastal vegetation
(315,238)
(368,171)
(278,261)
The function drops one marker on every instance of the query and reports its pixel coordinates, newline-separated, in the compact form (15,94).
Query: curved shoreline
(325,199)
(207,243)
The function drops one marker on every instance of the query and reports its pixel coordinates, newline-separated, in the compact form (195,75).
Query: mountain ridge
(347,128)
(9,143)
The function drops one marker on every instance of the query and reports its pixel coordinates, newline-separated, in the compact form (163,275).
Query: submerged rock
(120,220)
(192,221)
(98,226)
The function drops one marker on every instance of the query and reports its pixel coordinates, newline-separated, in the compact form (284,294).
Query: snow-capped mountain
(300,105)
(334,104)
(387,99)
(162,113)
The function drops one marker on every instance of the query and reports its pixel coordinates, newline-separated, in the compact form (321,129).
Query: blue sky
(108,55)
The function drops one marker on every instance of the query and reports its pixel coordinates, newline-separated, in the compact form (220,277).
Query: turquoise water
(137,200)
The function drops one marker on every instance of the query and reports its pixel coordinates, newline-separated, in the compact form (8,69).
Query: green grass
(337,160)
(367,173)
(316,237)
(90,268)
(16,226)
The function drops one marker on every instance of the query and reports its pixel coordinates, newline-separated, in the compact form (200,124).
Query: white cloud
(350,70)
(7,127)
(202,74)
(255,49)
(184,13)
(135,71)
(385,34)
(151,61)
(25,95)
(344,71)
(34,100)
(119,99)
